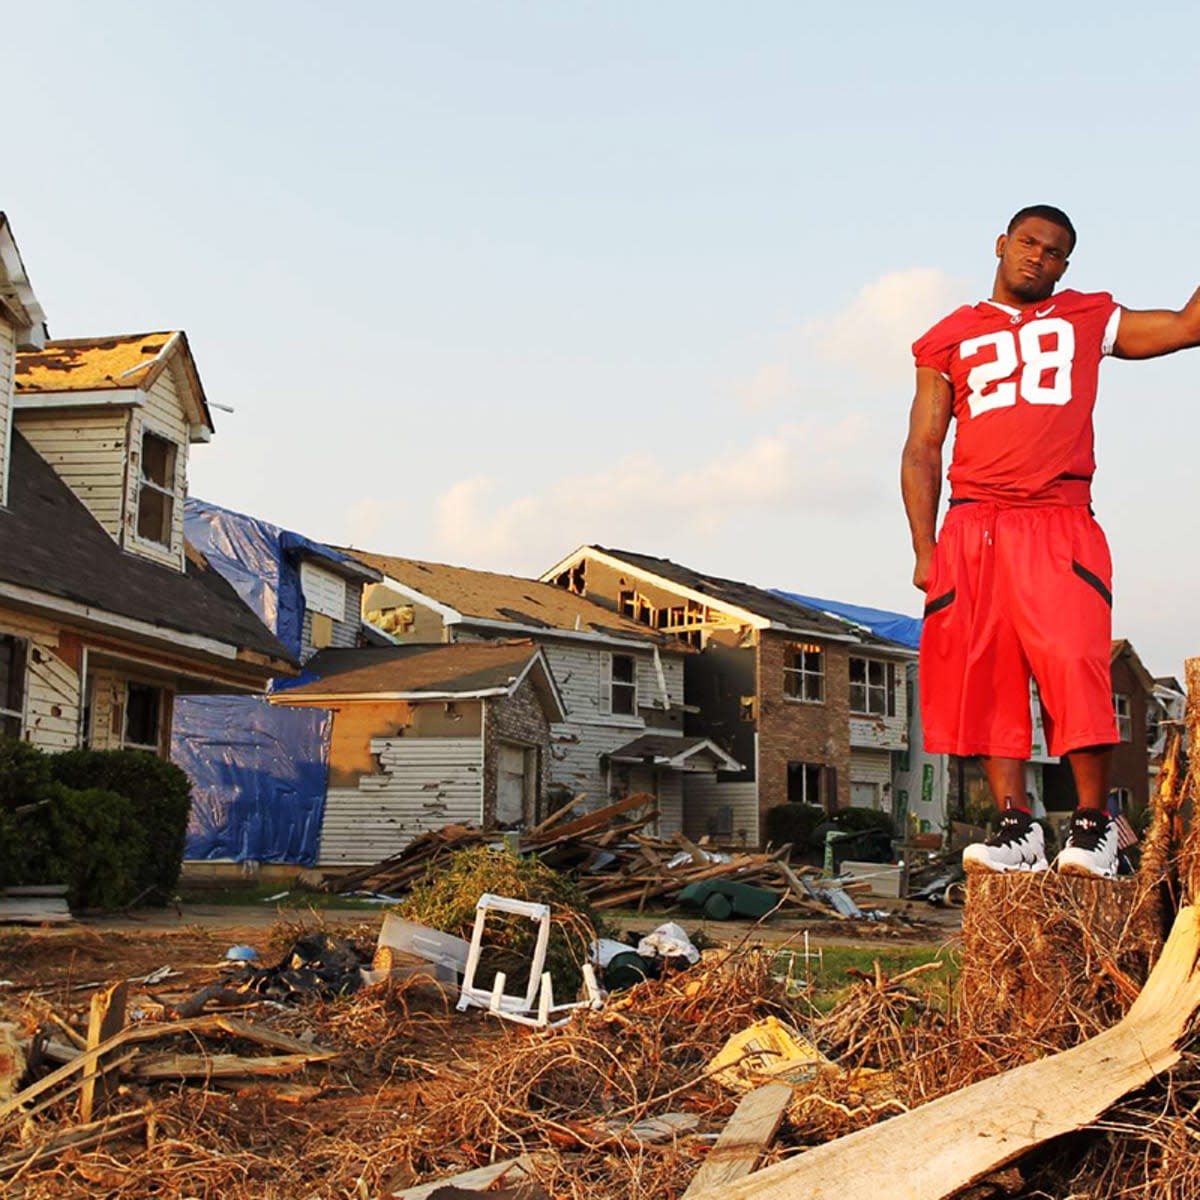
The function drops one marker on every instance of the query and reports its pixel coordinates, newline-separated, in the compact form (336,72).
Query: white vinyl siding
(8,351)
(87,450)
(880,732)
(424,783)
(161,413)
(710,804)
(869,773)
(51,692)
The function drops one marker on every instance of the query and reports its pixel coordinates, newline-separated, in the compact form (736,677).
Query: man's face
(1033,258)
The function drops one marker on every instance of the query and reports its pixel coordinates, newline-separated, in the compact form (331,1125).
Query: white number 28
(1027,350)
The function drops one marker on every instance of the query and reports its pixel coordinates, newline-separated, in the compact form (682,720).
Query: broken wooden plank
(969,1133)
(557,815)
(596,819)
(510,1170)
(745,1137)
(106,1018)
(78,1138)
(219,1066)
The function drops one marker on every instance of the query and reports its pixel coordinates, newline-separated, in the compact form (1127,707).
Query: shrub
(24,773)
(89,839)
(161,795)
(793,823)
(862,820)
(446,900)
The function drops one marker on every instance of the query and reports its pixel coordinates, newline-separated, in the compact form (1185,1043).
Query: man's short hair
(1047,212)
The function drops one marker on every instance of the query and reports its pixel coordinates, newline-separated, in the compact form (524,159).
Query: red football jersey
(1024,383)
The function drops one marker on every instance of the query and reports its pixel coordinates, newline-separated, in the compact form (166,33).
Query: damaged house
(106,614)
(621,684)
(814,705)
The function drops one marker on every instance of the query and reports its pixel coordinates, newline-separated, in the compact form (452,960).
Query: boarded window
(872,687)
(156,490)
(804,673)
(324,592)
(12,685)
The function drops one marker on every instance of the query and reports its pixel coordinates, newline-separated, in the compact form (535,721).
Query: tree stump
(1054,958)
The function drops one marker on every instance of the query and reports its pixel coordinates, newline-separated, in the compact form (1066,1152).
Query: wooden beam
(106,1018)
(970,1133)
(510,1170)
(747,1134)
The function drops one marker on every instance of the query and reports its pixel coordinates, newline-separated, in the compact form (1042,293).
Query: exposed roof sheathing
(89,364)
(488,596)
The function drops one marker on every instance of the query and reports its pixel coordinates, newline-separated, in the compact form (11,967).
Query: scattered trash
(669,941)
(771,1048)
(241,954)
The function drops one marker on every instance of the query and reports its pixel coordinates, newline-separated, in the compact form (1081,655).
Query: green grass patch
(826,981)
(267,895)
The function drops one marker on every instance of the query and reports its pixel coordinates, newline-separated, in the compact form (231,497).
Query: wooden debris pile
(615,863)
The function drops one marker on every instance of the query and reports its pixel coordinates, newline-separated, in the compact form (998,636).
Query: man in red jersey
(1019,578)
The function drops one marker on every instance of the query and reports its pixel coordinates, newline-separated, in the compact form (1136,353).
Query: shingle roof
(88,364)
(760,601)
(462,668)
(50,543)
(489,596)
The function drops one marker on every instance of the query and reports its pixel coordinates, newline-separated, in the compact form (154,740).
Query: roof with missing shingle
(89,364)
(50,543)
(490,596)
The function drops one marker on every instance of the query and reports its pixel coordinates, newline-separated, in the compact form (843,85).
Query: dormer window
(156,491)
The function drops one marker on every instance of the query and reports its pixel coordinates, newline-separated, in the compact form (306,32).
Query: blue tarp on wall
(898,627)
(258,772)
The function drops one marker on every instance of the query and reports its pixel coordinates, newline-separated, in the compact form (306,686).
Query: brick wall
(519,718)
(794,731)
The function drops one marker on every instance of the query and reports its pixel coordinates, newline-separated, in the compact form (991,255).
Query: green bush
(446,900)
(91,840)
(860,820)
(161,795)
(793,823)
(24,773)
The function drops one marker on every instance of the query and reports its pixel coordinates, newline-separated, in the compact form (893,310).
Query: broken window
(156,490)
(143,717)
(12,685)
(804,783)
(1124,714)
(573,579)
(872,687)
(622,687)
(804,673)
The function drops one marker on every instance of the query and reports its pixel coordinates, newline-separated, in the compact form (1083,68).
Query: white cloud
(766,387)
(874,333)
(811,467)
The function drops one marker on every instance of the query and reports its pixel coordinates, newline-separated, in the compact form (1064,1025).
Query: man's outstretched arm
(921,466)
(1154,332)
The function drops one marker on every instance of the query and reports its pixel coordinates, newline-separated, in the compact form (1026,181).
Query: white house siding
(87,450)
(424,783)
(8,352)
(670,803)
(52,691)
(884,733)
(345,631)
(703,799)
(872,770)
(161,413)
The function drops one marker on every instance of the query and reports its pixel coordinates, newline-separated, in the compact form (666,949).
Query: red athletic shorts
(1015,591)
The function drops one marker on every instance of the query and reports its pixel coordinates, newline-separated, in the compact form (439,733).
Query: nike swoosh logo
(1043,312)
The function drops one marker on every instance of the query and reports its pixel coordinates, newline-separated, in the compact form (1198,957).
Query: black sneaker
(1091,847)
(1018,845)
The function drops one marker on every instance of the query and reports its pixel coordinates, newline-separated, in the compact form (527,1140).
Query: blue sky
(483,282)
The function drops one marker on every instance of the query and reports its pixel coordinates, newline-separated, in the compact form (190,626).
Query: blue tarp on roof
(259,773)
(896,626)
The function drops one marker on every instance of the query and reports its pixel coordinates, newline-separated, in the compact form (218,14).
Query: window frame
(169,494)
(160,710)
(799,676)
(808,773)
(12,703)
(1122,701)
(623,687)
(887,687)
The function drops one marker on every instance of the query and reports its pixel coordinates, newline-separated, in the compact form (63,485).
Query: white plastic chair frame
(537,1006)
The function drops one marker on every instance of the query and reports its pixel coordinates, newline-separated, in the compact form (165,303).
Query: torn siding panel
(52,688)
(424,784)
(344,630)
